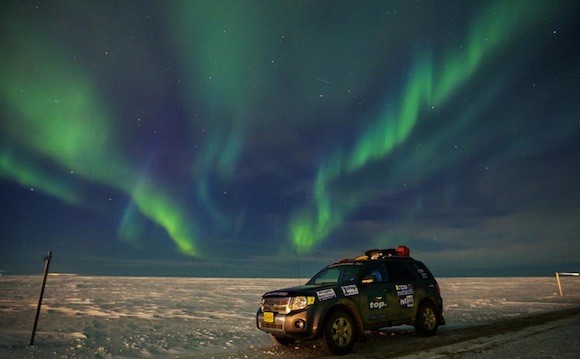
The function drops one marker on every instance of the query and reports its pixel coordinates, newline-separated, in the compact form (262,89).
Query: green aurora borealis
(257,132)
(428,86)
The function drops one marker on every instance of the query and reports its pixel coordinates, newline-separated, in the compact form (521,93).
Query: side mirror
(369,278)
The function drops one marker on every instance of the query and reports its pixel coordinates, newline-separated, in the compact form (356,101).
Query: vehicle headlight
(298,303)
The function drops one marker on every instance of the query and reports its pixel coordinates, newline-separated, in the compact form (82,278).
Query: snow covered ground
(128,317)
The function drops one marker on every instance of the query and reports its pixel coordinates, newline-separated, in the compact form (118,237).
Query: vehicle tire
(283,341)
(339,333)
(426,323)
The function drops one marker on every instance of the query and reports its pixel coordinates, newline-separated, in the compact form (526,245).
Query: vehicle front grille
(276,305)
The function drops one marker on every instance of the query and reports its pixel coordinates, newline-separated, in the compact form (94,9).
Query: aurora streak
(241,138)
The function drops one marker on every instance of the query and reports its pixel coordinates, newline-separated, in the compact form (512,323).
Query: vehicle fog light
(299,324)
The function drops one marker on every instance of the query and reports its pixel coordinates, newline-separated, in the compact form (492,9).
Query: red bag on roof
(403,251)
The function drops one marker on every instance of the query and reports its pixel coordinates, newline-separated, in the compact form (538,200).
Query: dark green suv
(381,288)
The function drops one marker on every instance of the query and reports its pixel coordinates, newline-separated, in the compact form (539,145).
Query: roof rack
(400,251)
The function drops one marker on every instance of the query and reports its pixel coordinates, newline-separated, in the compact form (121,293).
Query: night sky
(269,138)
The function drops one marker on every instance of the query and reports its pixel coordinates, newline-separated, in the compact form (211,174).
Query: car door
(401,285)
(377,303)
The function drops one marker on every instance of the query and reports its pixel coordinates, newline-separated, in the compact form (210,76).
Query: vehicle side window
(348,274)
(327,276)
(340,274)
(378,270)
(422,270)
(398,272)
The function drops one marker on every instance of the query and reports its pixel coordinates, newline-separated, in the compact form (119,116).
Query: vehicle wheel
(426,323)
(339,333)
(284,341)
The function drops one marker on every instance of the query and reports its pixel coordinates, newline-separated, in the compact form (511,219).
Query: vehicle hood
(322,292)
(307,289)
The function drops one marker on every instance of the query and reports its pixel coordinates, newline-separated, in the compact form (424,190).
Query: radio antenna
(298,267)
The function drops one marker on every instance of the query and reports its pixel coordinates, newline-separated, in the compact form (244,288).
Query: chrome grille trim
(276,304)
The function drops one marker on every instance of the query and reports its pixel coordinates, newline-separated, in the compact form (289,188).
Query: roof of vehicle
(376,254)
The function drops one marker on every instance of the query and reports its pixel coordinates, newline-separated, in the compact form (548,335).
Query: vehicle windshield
(337,274)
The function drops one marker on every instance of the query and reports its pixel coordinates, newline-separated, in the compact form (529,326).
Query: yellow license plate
(268,317)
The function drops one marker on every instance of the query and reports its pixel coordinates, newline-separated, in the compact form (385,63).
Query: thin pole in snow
(298,267)
(47,259)
(565,274)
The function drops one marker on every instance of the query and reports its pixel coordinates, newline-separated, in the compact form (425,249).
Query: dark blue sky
(240,138)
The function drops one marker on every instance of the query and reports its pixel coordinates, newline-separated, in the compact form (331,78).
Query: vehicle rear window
(398,272)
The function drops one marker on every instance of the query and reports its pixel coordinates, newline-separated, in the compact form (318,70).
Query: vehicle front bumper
(288,325)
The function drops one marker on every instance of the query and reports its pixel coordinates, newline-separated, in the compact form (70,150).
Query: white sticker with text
(326,294)
(348,290)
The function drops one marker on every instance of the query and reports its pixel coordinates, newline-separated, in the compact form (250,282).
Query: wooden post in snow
(47,259)
(567,274)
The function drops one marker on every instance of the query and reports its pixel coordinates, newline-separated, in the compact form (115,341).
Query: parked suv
(382,288)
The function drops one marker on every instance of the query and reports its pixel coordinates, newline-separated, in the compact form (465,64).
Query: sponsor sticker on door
(326,294)
(349,290)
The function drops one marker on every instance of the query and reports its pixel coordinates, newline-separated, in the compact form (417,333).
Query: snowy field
(129,317)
